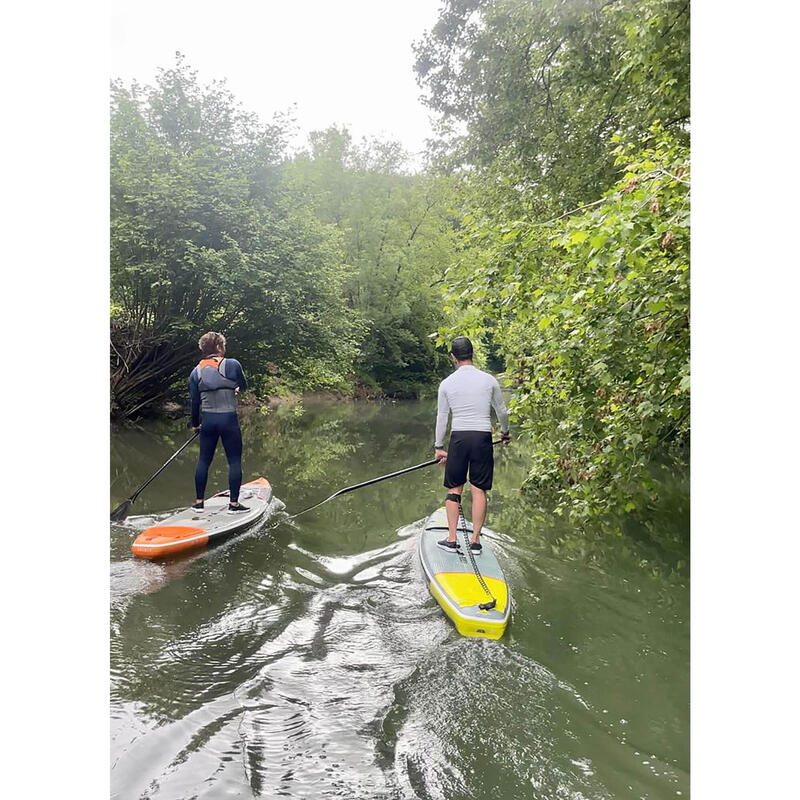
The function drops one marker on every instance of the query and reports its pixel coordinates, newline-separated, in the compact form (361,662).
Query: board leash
(492,599)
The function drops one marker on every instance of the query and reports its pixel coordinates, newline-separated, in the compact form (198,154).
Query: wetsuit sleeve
(194,394)
(499,407)
(442,413)
(237,374)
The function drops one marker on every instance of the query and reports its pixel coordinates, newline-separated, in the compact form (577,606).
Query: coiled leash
(462,520)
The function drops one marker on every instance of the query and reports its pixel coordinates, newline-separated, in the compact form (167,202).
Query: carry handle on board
(121,511)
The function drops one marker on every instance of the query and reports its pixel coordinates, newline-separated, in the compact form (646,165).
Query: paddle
(367,483)
(121,511)
(373,480)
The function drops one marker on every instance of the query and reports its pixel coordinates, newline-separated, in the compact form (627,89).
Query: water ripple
(267,669)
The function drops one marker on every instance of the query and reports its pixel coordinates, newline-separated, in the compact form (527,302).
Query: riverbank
(249,402)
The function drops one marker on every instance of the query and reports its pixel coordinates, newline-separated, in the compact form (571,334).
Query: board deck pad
(190,529)
(455,586)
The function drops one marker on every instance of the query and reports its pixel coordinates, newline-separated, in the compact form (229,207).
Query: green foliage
(205,234)
(532,92)
(591,314)
(567,125)
(398,233)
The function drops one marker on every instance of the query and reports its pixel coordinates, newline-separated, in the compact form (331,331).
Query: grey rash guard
(471,395)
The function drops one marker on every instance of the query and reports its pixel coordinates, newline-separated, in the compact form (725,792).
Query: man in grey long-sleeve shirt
(470,395)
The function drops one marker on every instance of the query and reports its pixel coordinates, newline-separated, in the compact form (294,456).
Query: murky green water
(307,659)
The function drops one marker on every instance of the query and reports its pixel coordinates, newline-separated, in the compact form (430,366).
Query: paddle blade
(121,511)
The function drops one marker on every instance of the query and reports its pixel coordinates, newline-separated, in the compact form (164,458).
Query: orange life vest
(216,391)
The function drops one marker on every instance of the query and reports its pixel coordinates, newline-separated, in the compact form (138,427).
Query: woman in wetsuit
(213,386)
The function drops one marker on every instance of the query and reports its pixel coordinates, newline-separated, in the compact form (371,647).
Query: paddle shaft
(367,483)
(133,497)
(373,480)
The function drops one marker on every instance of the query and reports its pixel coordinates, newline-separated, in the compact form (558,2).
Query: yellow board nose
(464,589)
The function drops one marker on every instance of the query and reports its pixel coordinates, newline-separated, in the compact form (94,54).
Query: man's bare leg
(452,514)
(478,512)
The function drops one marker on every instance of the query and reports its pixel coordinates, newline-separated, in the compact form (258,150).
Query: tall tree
(398,232)
(206,235)
(538,87)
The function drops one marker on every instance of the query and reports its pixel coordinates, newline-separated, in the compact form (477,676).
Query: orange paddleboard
(190,529)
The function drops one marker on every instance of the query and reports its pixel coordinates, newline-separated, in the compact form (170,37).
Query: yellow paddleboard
(453,582)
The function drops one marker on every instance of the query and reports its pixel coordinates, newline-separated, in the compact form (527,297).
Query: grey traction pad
(436,560)
(216,520)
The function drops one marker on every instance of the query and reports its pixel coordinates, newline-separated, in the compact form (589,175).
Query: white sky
(342,61)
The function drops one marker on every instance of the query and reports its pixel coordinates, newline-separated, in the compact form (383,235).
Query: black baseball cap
(461,348)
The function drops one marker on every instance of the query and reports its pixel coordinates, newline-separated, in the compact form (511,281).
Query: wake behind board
(454,584)
(190,529)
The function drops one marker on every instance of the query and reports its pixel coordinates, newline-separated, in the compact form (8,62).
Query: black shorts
(473,451)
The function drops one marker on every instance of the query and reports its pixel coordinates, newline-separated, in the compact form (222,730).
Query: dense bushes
(573,155)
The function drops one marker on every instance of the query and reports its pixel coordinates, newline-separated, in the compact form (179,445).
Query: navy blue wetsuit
(219,424)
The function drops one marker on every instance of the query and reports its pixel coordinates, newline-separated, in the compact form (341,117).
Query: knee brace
(456,498)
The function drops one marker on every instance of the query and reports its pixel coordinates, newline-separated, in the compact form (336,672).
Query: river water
(307,659)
